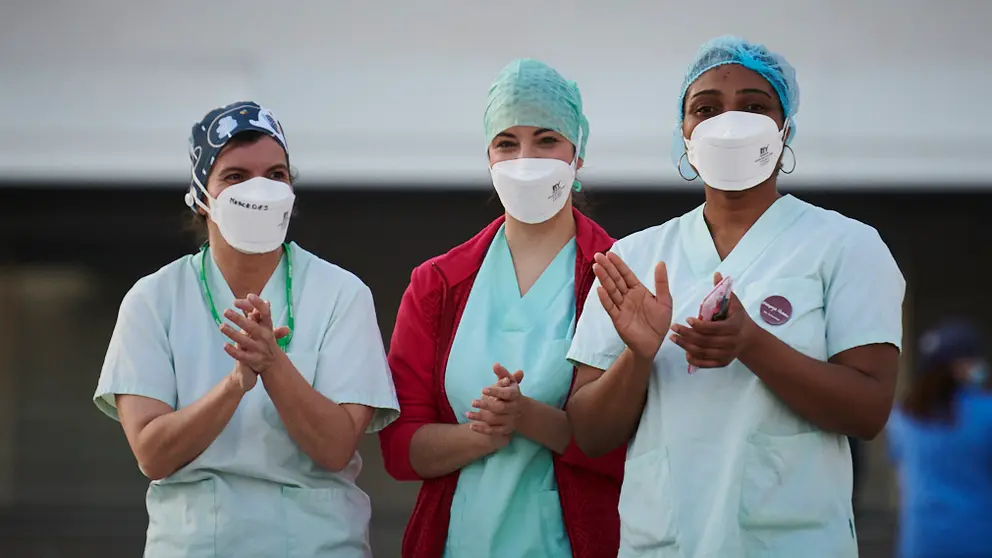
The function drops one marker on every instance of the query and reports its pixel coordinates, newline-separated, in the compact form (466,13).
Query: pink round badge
(776,310)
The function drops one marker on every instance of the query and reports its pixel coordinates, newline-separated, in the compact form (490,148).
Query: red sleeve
(411,360)
(610,465)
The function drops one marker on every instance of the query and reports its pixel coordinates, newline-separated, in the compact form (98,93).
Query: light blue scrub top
(253,492)
(720,466)
(507,504)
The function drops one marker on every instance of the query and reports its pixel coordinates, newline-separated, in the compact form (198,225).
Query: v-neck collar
(697,242)
(507,274)
(223,295)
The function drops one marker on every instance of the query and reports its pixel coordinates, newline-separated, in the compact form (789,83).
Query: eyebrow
(537,132)
(718,93)
(242,170)
(753,90)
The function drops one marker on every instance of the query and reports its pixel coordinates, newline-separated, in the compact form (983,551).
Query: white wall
(894,92)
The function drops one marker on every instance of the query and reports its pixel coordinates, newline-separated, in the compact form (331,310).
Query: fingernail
(487,391)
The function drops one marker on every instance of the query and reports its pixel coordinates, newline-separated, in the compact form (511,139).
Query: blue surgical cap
(531,93)
(209,136)
(753,56)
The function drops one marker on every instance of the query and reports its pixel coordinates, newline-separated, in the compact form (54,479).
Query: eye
(232,177)
(505,144)
(755,107)
(548,140)
(704,110)
(278,175)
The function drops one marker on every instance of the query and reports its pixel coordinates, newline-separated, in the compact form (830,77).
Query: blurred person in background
(238,469)
(501,474)
(739,426)
(940,439)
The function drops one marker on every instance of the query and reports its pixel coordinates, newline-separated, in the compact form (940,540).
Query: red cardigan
(428,317)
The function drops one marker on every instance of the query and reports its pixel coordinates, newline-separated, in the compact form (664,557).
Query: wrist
(641,361)
(233,386)
(278,366)
(751,336)
(486,443)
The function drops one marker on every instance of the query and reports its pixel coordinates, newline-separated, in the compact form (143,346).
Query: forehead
(730,78)
(266,152)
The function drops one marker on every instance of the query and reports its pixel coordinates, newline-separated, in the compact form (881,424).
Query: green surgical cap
(531,93)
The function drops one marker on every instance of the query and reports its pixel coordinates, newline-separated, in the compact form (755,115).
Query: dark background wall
(68,483)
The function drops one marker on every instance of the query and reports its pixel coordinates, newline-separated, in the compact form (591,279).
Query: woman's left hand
(715,344)
(255,345)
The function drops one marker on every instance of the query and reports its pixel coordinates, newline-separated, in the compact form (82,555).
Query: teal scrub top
(506,504)
(253,492)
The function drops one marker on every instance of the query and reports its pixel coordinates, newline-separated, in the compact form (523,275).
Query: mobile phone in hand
(716,305)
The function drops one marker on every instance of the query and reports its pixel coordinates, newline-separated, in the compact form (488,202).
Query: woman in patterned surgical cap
(738,412)
(248,426)
(478,353)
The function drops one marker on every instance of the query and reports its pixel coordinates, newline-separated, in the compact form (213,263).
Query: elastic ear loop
(191,197)
(576,185)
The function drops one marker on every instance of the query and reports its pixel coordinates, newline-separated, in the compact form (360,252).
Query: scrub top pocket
(326,522)
(648,518)
(182,520)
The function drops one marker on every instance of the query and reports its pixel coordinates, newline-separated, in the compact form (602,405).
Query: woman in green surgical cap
(478,353)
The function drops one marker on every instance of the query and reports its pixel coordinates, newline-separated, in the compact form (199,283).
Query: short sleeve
(864,294)
(596,342)
(351,365)
(139,359)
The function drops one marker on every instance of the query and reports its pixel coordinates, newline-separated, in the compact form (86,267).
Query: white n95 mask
(735,150)
(252,216)
(533,190)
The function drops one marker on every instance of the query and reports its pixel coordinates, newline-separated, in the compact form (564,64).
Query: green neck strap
(284,342)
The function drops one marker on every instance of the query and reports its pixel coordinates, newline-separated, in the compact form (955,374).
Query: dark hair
(931,395)
(197,223)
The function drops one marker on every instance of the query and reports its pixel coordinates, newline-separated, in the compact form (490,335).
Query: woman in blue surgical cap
(245,374)
(738,414)
(478,353)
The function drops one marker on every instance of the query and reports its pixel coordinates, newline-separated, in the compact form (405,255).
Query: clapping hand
(498,407)
(255,345)
(642,319)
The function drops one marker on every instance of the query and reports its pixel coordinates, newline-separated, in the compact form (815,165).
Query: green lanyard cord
(284,342)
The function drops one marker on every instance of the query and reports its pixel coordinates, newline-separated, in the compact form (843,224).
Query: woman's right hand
(642,319)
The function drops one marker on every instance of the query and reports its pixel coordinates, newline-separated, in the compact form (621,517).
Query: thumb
(661,281)
(281,331)
(518,376)
(717,278)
